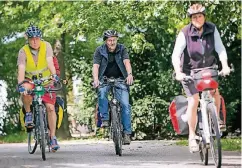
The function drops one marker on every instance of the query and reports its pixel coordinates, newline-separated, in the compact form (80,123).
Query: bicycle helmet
(33,31)
(109,33)
(196,8)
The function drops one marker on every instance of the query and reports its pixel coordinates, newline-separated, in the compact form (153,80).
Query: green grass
(21,137)
(227,144)
(14,138)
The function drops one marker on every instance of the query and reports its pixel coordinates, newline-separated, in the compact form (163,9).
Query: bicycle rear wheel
(32,141)
(117,133)
(42,131)
(215,144)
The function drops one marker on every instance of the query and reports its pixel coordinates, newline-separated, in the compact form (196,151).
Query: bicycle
(39,134)
(116,128)
(209,133)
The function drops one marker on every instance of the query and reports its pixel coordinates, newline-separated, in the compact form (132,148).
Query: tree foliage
(147,28)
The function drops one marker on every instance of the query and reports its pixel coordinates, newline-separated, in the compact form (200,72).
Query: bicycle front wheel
(32,141)
(42,131)
(215,144)
(117,132)
(203,150)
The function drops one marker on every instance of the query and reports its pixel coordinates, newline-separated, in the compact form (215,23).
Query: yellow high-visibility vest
(42,66)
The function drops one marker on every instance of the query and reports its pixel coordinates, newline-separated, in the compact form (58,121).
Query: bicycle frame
(116,128)
(39,91)
(206,98)
(205,86)
(111,82)
(41,133)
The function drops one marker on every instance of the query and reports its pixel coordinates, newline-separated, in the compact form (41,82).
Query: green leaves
(148,29)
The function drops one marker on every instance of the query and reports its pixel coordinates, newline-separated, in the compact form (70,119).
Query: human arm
(95,69)
(127,64)
(220,49)
(180,45)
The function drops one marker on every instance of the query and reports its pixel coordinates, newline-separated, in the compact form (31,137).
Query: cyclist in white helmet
(195,47)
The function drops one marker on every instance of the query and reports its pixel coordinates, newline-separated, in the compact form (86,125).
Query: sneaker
(193,145)
(53,144)
(29,120)
(105,123)
(126,139)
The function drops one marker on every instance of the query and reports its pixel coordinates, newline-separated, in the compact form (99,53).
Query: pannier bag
(177,110)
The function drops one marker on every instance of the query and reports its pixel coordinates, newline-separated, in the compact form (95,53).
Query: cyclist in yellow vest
(34,58)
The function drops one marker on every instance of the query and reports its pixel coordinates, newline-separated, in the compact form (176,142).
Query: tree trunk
(60,50)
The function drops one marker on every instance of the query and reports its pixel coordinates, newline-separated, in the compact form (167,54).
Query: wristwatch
(130,73)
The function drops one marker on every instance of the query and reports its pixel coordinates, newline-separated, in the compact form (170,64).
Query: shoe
(29,120)
(222,126)
(53,144)
(126,139)
(105,123)
(193,145)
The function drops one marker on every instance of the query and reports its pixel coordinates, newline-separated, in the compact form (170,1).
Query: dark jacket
(200,50)
(101,58)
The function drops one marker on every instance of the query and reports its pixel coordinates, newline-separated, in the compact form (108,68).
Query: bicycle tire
(120,135)
(46,126)
(214,136)
(32,136)
(203,150)
(116,130)
(42,132)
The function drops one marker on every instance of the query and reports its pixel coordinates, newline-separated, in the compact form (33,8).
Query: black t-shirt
(112,69)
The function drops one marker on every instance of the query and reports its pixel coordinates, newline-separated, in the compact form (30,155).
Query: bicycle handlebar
(39,82)
(188,77)
(113,81)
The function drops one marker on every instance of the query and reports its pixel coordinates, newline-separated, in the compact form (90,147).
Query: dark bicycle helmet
(33,31)
(109,33)
(196,8)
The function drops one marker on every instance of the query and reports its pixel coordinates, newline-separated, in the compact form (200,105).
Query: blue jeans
(122,95)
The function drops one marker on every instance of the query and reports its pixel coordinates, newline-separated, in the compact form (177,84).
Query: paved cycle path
(101,154)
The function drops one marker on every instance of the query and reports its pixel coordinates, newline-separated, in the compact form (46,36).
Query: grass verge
(227,144)
(19,137)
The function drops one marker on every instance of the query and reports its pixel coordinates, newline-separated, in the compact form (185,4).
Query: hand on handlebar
(130,79)
(96,83)
(55,78)
(22,90)
(225,71)
(180,76)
